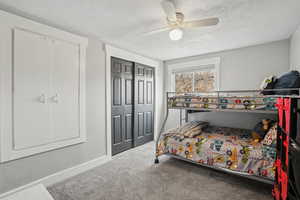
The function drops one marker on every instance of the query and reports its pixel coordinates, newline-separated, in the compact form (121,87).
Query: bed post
(156,161)
(180,117)
(187,116)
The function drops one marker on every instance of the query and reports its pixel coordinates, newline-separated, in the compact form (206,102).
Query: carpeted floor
(132,175)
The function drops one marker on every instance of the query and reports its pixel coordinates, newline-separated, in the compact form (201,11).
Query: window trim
(196,65)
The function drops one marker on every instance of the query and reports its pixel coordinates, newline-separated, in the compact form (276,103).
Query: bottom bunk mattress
(220,147)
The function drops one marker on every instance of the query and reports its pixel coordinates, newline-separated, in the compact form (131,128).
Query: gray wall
(295,50)
(23,171)
(241,69)
(160,101)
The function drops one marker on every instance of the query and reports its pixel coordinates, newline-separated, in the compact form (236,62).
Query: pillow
(270,137)
(193,128)
(193,132)
(189,129)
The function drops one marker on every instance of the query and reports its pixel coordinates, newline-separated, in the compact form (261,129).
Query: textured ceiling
(122,22)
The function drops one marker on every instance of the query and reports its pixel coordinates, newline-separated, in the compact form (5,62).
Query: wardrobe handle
(55,98)
(42,98)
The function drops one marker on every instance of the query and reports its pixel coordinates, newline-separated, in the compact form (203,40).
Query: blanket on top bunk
(222,147)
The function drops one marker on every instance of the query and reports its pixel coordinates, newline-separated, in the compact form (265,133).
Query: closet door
(31,85)
(122,105)
(64,91)
(42,88)
(144,104)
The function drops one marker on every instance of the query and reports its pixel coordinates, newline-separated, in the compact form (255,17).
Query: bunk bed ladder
(156,161)
(284,187)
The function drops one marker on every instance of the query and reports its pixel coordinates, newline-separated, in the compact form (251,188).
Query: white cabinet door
(46,90)
(64,93)
(31,84)
(42,88)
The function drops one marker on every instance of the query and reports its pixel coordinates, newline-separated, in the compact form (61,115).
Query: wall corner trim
(62,175)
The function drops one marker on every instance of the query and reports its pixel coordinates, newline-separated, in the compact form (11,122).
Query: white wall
(295,50)
(242,69)
(23,171)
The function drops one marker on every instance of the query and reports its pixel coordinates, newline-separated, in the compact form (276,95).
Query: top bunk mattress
(222,147)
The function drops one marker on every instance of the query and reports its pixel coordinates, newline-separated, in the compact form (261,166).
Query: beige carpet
(132,175)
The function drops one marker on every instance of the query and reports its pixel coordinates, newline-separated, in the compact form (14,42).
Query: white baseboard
(62,175)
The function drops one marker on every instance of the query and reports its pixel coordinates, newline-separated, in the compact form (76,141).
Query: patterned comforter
(229,148)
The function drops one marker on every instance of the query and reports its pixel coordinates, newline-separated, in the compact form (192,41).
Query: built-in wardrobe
(42,88)
(132,120)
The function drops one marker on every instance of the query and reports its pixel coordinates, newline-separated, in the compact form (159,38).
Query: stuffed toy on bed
(270,137)
(261,129)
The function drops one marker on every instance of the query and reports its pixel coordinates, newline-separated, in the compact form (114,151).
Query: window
(201,75)
(203,80)
(184,82)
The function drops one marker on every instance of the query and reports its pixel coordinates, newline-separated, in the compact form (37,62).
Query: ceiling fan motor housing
(179,19)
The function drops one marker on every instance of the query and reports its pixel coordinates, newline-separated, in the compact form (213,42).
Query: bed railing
(232,101)
(244,101)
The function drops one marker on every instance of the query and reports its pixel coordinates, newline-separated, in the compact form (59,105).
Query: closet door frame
(8,23)
(126,55)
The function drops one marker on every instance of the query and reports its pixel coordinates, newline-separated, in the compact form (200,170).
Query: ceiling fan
(176,22)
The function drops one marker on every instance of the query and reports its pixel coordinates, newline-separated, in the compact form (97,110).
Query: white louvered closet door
(31,84)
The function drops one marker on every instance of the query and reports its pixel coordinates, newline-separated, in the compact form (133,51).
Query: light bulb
(176,34)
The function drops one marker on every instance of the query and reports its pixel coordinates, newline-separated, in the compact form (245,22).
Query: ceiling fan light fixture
(176,34)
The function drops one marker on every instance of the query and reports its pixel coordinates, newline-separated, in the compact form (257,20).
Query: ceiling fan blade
(201,23)
(169,8)
(156,31)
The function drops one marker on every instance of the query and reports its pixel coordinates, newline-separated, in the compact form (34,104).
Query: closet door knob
(42,98)
(55,98)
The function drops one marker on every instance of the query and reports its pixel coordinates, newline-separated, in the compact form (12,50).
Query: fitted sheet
(221,147)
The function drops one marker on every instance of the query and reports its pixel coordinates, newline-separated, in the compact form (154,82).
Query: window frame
(194,66)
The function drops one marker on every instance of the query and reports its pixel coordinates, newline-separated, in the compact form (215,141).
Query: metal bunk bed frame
(218,96)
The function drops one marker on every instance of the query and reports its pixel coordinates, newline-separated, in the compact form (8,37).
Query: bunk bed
(221,148)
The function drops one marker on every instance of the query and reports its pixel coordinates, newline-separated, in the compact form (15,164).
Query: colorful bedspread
(222,147)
